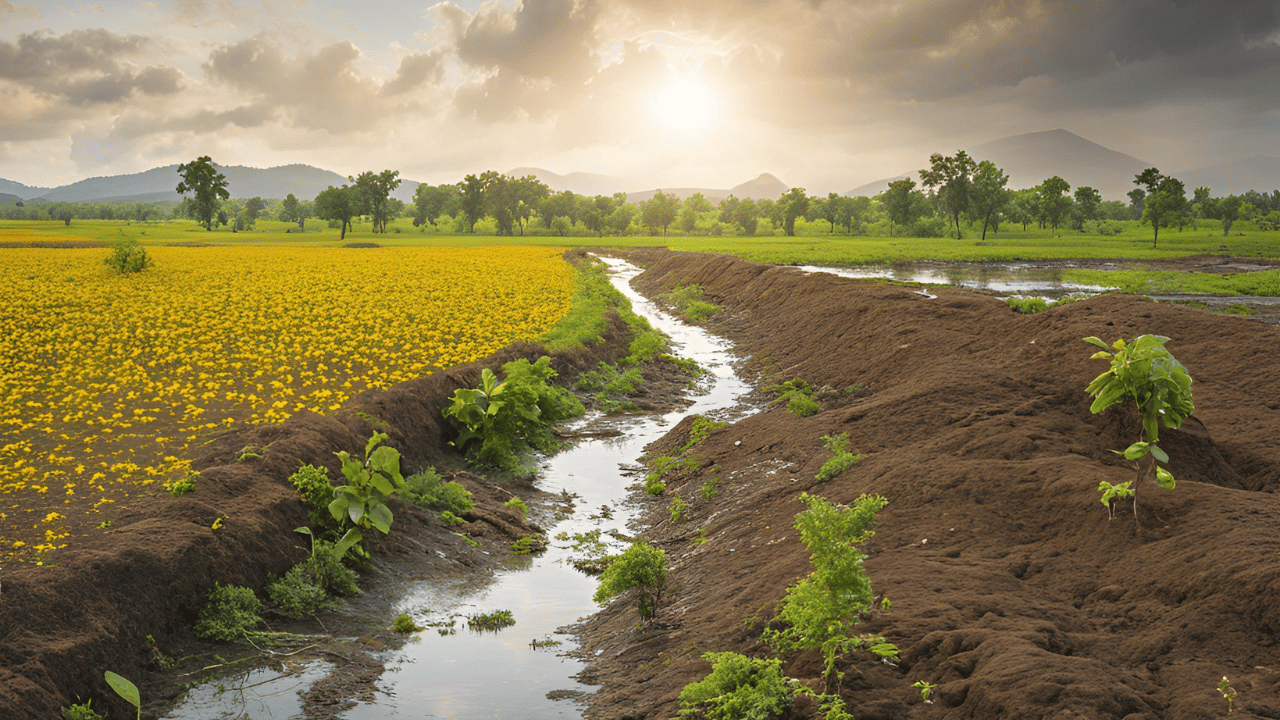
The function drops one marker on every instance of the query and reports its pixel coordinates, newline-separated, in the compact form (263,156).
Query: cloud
(22,10)
(85,67)
(416,70)
(538,38)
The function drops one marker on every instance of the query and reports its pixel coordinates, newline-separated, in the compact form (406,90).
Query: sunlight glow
(686,105)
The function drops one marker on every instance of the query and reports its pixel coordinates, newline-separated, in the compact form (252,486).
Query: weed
(841,459)
(687,300)
(312,484)
(678,506)
(80,711)
(468,541)
(451,520)
(363,501)
(803,406)
(249,452)
(541,644)
(517,504)
(1027,305)
(798,395)
(429,490)
(529,545)
(1228,693)
(708,489)
(405,625)
(926,688)
(610,385)
(737,688)
(492,622)
(230,615)
(178,488)
(642,568)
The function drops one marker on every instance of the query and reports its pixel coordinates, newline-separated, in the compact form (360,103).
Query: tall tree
(294,210)
(1226,209)
(208,186)
(338,204)
(900,204)
(432,201)
(1053,201)
(1165,202)
(1086,206)
(852,211)
(660,210)
(950,178)
(747,215)
(987,193)
(790,206)
(472,189)
(372,192)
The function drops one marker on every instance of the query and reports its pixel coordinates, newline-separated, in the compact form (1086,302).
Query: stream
(449,671)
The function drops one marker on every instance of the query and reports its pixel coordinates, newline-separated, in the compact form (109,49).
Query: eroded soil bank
(1010,589)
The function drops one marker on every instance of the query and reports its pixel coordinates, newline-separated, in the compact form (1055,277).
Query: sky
(825,94)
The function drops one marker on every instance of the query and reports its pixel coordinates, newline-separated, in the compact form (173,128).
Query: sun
(687,105)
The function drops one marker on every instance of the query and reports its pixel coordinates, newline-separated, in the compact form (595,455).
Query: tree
(790,206)
(62,211)
(987,193)
(899,203)
(562,204)
(372,192)
(660,210)
(338,205)
(1054,203)
(831,208)
(952,178)
(208,186)
(1086,206)
(1166,200)
(432,201)
(1137,197)
(689,211)
(1226,209)
(852,212)
(472,189)
(294,210)
(619,220)
(512,200)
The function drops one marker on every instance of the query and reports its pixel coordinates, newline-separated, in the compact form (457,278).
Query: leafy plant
(678,506)
(821,610)
(610,386)
(642,568)
(1110,493)
(249,452)
(529,545)
(80,711)
(230,615)
(517,504)
(926,688)
(125,689)
(405,625)
(492,622)
(313,486)
(841,460)
(737,688)
(128,256)
(708,489)
(1146,374)
(1027,305)
(430,491)
(1228,693)
(798,395)
(687,300)
(181,487)
(308,587)
(363,501)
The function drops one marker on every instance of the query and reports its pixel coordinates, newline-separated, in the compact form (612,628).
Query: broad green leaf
(1100,355)
(385,460)
(124,689)
(352,537)
(1159,454)
(1114,391)
(374,441)
(1136,450)
(1099,343)
(1164,478)
(380,516)
(355,511)
(338,508)
(305,531)
(382,484)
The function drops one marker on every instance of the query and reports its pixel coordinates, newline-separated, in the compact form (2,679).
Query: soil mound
(1010,589)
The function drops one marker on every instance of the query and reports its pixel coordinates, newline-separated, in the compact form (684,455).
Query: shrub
(128,256)
(313,486)
(308,587)
(841,460)
(737,688)
(642,568)
(230,615)
(430,491)
(803,406)
(1027,305)
(363,501)
(798,395)
(687,300)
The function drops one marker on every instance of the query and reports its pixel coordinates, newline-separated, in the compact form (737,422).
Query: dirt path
(1010,589)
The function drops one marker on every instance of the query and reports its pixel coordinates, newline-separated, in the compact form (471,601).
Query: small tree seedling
(1228,693)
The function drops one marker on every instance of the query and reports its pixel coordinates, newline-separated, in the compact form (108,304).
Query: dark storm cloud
(84,66)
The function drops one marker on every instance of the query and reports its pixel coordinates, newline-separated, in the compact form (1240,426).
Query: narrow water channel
(1005,279)
(448,671)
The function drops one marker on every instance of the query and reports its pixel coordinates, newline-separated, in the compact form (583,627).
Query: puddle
(259,693)
(1004,279)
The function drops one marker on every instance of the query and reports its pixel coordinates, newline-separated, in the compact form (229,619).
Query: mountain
(764,187)
(1260,172)
(303,181)
(22,192)
(1032,157)
(873,189)
(582,183)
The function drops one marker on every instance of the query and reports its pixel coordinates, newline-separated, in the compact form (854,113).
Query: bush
(687,300)
(128,256)
(642,568)
(230,615)
(312,484)
(842,459)
(1027,305)
(798,395)
(429,490)
(738,688)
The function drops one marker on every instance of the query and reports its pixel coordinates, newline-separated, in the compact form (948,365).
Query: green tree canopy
(373,192)
(208,187)
(660,210)
(1165,202)
(339,205)
(987,193)
(900,204)
(951,178)
(1053,201)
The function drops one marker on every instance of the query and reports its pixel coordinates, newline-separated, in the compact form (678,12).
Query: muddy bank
(1010,589)
(150,573)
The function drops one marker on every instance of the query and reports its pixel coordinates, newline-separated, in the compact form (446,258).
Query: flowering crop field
(107,380)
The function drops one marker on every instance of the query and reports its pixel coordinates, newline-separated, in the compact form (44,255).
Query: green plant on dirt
(737,688)
(125,689)
(249,452)
(687,300)
(518,505)
(363,501)
(659,467)
(1145,373)
(798,395)
(610,387)
(430,491)
(529,545)
(678,506)
(1228,693)
(80,711)
(700,430)
(230,615)
(309,586)
(1027,305)
(499,422)
(493,622)
(926,689)
(841,458)
(316,492)
(404,625)
(708,489)
(181,487)
(820,611)
(128,256)
(451,520)
(642,568)
(1110,493)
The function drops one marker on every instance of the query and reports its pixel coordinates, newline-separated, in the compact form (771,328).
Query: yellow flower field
(106,380)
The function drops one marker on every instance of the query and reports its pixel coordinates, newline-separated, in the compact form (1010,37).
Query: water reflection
(1008,279)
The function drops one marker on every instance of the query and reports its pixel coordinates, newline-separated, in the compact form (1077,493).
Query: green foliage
(181,487)
(687,300)
(249,452)
(642,568)
(700,430)
(518,504)
(492,622)
(926,688)
(1110,492)
(313,486)
(708,489)
(610,385)
(841,460)
(1027,305)
(737,688)
(501,421)
(429,490)
(125,689)
(803,406)
(820,611)
(1145,373)
(529,545)
(128,256)
(363,501)
(405,625)
(678,506)
(230,615)
(80,711)
(647,344)
(1228,693)
(309,586)
(654,486)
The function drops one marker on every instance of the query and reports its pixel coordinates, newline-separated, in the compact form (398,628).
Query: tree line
(956,194)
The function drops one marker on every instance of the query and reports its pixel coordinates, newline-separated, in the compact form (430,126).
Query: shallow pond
(448,671)
(1005,279)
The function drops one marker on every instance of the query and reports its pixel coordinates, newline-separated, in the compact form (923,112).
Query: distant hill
(1260,172)
(764,187)
(20,191)
(582,183)
(303,181)
(1030,158)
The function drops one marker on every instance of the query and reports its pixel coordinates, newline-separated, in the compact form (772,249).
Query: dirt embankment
(150,573)
(1010,589)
